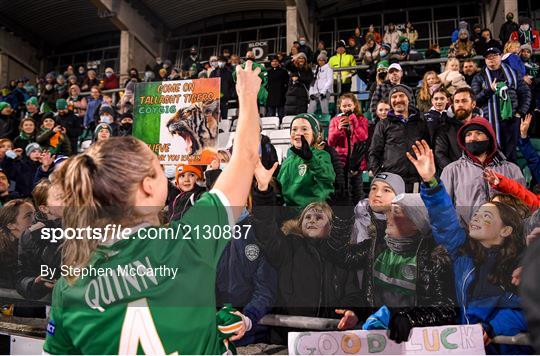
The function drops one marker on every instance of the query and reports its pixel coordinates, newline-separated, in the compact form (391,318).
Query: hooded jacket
(501,314)
(434,304)
(392,139)
(463,178)
(308,284)
(303,182)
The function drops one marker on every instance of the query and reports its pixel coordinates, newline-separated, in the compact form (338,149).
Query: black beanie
(479,128)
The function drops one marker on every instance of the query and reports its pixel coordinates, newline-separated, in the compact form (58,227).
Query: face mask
(11,154)
(213,64)
(127,125)
(243,215)
(81,71)
(105,119)
(404,47)
(509,18)
(170,172)
(222,165)
(108,74)
(48,86)
(383,53)
(165,66)
(221,64)
(294,81)
(477,148)
(158,61)
(133,75)
(302,43)
(524,27)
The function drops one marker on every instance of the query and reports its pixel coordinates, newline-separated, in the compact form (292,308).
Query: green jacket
(304,182)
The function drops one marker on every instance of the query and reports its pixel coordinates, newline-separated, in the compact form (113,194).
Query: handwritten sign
(177,119)
(447,340)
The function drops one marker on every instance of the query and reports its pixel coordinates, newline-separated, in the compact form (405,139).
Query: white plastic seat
(232,112)
(225,125)
(270,123)
(223,139)
(278,137)
(286,122)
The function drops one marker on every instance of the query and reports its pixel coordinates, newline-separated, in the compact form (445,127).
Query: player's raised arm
(235,181)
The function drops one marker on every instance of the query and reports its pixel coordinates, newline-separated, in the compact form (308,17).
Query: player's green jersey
(150,313)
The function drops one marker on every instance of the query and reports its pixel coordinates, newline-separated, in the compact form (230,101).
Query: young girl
(309,285)
(53,136)
(451,78)
(178,311)
(512,58)
(307,174)
(430,83)
(27,134)
(347,129)
(437,115)
(34,251)
(483,261)
(102,132)
(383,107)
(15,217)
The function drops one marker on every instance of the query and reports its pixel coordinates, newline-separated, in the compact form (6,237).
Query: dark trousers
(509,133)
(223,108)
(278,111)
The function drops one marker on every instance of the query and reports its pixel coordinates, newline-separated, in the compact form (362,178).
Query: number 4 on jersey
(138,328)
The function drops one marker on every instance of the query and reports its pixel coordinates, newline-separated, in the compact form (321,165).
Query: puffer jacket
(33,253)
(446,148)
(341,139)
(434,304)
(296,99)
(463,178)
(392,139)
(501,315)
(308,284)
(510,186)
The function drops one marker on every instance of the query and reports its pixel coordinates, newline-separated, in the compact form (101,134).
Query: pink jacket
(338,138)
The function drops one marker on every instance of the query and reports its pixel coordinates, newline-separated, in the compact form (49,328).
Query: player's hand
(424,161)
(348,320)
(263,176)
(524,127)
(491,177)
(246,326)
(248,81)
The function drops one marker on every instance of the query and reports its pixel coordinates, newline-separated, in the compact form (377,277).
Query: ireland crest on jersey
(302,169)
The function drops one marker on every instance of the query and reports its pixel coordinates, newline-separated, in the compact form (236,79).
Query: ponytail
(98,188)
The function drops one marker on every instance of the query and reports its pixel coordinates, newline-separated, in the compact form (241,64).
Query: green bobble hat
(3,105)
(61,104)
(101,127)
(33,101)
(313,122)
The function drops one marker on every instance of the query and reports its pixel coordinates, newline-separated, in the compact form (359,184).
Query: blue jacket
(533,159)
(501,314)
(247,281)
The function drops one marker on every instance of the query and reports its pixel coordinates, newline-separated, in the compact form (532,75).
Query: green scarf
(505,103)
(25,136)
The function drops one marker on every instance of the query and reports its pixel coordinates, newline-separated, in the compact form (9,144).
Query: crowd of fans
(437,240)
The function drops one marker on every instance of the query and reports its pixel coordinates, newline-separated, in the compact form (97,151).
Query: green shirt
(304,182)
(120,314)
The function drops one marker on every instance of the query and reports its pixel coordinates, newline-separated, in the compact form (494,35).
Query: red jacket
(510,186)
(338,138)
(536,38)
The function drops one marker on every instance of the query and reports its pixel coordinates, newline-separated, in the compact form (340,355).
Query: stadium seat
(232,112)
(286,122)
(282,151)
(270,123)
(279,136)
(223,139)
(225,125)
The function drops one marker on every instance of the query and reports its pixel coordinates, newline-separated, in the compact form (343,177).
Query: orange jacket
(510,186)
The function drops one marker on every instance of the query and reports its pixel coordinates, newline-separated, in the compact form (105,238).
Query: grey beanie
(32,147)
(401,88)
(323,56)
(393,180)
(413,206)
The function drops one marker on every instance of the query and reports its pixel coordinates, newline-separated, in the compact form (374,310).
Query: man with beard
(447,149)
(394,136)
(470,69)
(463,178)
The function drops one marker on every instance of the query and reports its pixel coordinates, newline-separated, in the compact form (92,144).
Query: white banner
(447,340)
